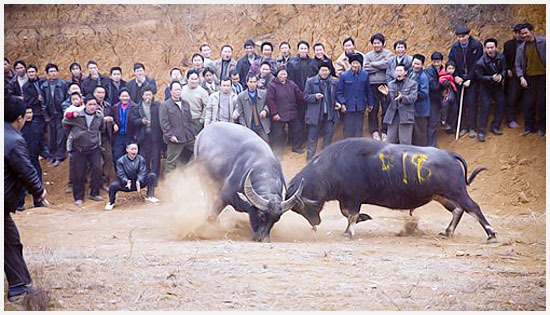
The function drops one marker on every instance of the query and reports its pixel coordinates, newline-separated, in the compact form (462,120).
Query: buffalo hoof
(492,240)
(445,234)
(363,217)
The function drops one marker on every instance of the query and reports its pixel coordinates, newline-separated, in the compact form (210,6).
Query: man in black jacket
(76,73)
(93,79)
(35,148)
(299,66)
(138,84)
(18,172)
(54,92)
(114,86)
(33,97)
(465,52)
(243,65)
(437,113)
(15,85)
(148,133)
(491,71)
(320,58)
(132,175)
(84,129)
(511,84)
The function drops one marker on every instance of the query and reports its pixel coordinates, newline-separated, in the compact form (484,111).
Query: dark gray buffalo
(244,173)
(359,171)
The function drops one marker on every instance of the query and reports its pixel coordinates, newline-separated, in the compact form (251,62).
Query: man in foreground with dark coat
(18,172)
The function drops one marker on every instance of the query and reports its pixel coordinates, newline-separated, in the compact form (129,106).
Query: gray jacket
(520,55)
(376,65)
(392,63)
(213,107)
(218,67)
(405,106)
(82,137)
(244,109)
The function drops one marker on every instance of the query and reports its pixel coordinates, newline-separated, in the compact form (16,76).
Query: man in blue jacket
(465,52)
(354,93)
(422,104)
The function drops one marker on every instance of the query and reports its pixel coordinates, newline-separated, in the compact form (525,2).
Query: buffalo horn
(252,196)
(289,204)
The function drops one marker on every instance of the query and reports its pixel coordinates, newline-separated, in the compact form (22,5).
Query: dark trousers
(119,146)
(434,120)
(80,161)
(279,136)
(420,131)
(57,139)
(150,182)
(14,263)
(380,100)
(177,153)
(38,126)
(261,132)
(36,163)
(150,150)
(324,128)
(353,124)
(471,96)
(106,160)
(535,101)
(488,92)
(513,97)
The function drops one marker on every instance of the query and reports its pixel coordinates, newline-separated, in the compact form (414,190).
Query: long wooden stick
(459,112)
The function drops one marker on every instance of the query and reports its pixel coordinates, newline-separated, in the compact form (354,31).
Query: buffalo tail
(474,173)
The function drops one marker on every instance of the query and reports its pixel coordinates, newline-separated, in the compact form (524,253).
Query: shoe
(56,163)
(481,137)
(97,198)
(541,133)
(152,199)
(376,135)
(78,203)
(526,132)
(21,208)
(384,137)
(109,206)
(463,132)
(446,126)
(496,131)
(39,205)
(19,292)
(69,189)
(299,151)
(513,124)
(472,133)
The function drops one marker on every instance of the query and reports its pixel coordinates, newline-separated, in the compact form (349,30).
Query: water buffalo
(244,173)
(359,171)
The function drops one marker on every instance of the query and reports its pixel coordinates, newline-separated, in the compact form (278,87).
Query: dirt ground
(165,257)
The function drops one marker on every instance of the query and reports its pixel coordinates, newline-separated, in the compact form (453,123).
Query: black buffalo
(244,173)
(360,171)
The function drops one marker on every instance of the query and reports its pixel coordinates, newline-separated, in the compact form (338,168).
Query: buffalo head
(265,211)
